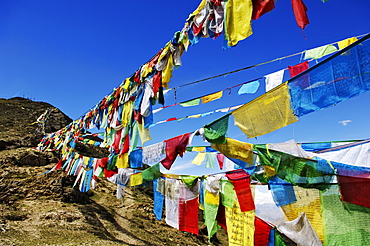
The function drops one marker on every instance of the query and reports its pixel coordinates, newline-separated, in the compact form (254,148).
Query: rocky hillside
(44,209)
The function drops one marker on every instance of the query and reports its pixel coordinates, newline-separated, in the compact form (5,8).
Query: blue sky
(73,53)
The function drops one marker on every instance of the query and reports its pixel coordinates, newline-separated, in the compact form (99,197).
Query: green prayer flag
(188,180)
(151,173)
(215,132)
(193,102)
(319,52)
(344,223)
(279,241)
(227,193)
(210,159)
(299,171)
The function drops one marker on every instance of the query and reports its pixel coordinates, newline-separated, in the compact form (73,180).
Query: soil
(38,208)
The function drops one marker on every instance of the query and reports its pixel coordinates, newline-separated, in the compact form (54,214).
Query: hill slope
(44,209)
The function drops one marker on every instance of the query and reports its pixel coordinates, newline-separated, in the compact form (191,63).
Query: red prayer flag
(220,158)
(117,141)
(221,216)
(174,147)
(261,233)
(355,190)
(157,82)
(241,181)
(297,69)
(299,9)
(110,173)
(261,7)
(59,165)
(188,215)
(102,162)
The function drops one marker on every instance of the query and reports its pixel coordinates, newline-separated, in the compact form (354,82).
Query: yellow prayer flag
(167,72)
(122,161)
(199,149)
(344,43)
(240,226)
(212,97)
(266,113)
(308,201)
(238,23)
(86,160)
(136,179)
(126,113)
(197,11)
(194,116)
(144,134)
(236,149)
(269,171)
(145,70)
(199,158)
(210,198)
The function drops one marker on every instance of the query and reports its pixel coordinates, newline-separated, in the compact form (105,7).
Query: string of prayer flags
(319,52)
(344,43)
(297,69)
(331,82)
(300,9)
(238,20)
(236,149)
(174,147)
(249,88)
(215,132)
(272,80)
(267,113)
(300,231)
(261,7)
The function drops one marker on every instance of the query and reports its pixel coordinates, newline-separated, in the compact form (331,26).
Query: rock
(35,158)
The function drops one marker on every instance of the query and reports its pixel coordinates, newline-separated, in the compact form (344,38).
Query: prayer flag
(344,43)
(300,9)
(215,132)
(265,114)
(250,87)
(211,97)
(193,102)
(238,21)
(274,79)
(319,52)
(297,69)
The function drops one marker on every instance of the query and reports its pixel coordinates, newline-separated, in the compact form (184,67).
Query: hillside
(44,209)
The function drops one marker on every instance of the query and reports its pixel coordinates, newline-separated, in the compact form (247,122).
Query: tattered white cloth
(300,231)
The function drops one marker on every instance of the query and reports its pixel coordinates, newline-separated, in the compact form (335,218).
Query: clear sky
(72,53)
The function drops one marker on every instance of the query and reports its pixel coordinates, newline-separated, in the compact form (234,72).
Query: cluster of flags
(227,198)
